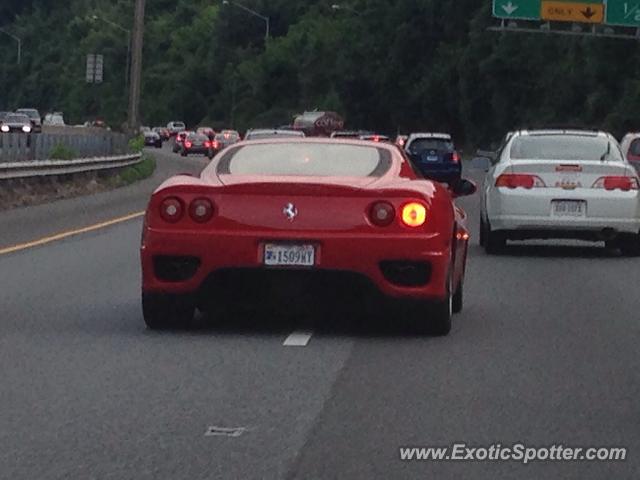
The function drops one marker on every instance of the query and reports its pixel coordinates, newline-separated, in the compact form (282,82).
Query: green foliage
(136,144)
(137,172)
(62,152)
(399,65)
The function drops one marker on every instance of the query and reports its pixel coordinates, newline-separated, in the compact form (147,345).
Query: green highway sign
(518,9)
(624,13)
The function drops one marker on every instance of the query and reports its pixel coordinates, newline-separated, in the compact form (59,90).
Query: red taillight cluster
(172,210)
(617,183)
(188,144)
(519,180)
(207,144)
(455,158)
(383,214)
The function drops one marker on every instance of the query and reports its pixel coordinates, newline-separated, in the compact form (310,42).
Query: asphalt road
(544,353)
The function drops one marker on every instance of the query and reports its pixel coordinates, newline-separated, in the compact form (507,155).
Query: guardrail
(41,168)
(16,147)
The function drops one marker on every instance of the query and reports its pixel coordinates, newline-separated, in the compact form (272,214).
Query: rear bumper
(617,211)
(363,257)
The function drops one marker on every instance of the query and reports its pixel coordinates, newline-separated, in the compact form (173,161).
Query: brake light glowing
(188,144)
(207,144)
(414,214)
(201,210)
(456,157)
(171,210)
(617,183)
(516,180)
(382,214)
(215,144)
(376,138)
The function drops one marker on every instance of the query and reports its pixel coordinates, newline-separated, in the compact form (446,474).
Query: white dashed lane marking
(298,339)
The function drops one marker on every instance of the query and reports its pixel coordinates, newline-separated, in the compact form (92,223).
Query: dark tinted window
(564,147)
(422,144)
(198,137)
(634,148)
(306,159)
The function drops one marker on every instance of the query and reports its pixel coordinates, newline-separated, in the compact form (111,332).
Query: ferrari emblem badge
(290,211)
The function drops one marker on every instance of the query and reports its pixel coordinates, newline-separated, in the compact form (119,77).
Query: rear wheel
(458,298)
(629,245)
(162,311)
(494,242)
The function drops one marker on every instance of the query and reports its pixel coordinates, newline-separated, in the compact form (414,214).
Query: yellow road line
(69,233)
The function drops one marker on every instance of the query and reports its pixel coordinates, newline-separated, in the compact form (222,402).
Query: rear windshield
(564,147)
(422,144)
(197,136)
(634,148)
(306,159)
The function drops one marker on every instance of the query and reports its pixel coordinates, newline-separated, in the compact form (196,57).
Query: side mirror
(463,188)
(481,163)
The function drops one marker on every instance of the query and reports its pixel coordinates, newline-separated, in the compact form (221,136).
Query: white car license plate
(283,255)
(569,208)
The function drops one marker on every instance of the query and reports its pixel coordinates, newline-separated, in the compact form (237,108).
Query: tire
(161,311)
(629,245)
(494,242)
(483,232)
(458,298)
(433,318)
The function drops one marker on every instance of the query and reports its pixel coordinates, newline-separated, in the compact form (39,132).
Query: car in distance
(34,117)
(163,132)
(548,184)
(262,133)
(631,149)
(226,138)
(176,127)
(374,137)
(177,141)
(16,123)
(268,214)
(349,133)
(208,131)
(435,156)
(54,119)
(152,139)
(197,143)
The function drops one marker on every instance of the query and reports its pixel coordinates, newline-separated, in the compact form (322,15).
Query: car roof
(558,132)
(437,136)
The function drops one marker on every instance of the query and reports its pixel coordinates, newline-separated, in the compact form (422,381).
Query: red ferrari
(265,217)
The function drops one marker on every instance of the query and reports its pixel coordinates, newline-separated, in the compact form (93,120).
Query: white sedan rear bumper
(532,210)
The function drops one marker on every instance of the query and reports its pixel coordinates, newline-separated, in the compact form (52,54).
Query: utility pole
(136,67)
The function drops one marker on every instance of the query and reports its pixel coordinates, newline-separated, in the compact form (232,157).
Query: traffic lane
(29,223)
(545,352)
(94,394)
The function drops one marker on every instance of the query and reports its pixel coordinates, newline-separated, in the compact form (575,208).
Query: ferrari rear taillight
(617,183)
(201,210)
(171,210)
(519,180)
(414,214)
(382,214)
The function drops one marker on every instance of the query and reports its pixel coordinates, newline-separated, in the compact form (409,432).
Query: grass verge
(135,173)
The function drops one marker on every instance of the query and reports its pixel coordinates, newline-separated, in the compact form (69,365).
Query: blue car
(434,156)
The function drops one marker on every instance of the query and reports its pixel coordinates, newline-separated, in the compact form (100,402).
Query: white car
(176,127)
(560,184)
(55,119)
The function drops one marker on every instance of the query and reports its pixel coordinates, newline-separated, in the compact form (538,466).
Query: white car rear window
(564,147)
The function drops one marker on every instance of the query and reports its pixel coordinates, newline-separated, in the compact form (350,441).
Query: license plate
(569,208)
(279,255)
(432,158)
